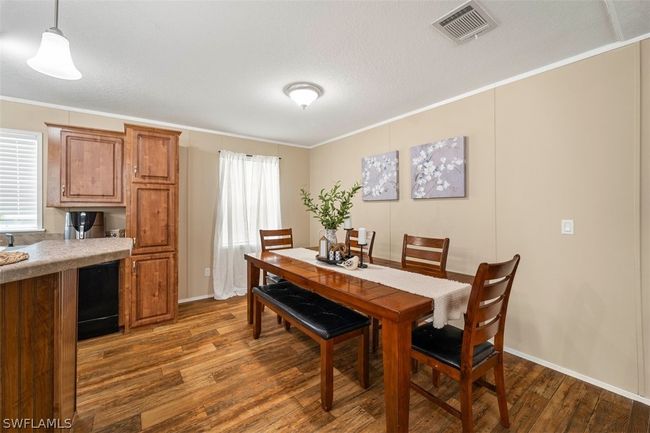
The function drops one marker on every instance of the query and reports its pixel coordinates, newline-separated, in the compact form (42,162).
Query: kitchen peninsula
(38,329)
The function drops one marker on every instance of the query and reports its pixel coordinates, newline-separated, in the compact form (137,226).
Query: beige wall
(561,144)
(567,147)
(198,185)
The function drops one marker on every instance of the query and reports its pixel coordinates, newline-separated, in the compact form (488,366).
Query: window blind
(19,177)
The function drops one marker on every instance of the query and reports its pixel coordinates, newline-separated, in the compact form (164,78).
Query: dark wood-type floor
(206,373)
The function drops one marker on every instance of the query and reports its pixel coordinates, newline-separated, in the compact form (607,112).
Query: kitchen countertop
(49,257)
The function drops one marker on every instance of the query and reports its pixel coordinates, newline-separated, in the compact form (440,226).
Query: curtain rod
(250,156)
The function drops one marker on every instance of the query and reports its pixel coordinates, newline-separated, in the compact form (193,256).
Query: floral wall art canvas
(438,169)
(379,176)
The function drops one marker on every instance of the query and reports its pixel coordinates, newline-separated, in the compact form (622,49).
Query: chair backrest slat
(494,290)
(488,303)
(489,310)
(276,239)
(419,241)
(432,256)
(484,332)
(352,237)
(425,255)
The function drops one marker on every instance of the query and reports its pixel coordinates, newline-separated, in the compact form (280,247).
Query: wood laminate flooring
(206,373)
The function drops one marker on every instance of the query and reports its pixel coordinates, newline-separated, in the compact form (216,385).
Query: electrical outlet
(206,272)
(567,227)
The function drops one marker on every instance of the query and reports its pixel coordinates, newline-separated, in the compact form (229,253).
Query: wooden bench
(323,320)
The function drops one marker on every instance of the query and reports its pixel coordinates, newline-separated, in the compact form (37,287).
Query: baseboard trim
(194,298)
(584,378)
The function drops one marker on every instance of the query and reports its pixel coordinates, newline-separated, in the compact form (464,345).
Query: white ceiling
(222,65)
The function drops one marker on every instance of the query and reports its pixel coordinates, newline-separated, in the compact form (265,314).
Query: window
(20,180)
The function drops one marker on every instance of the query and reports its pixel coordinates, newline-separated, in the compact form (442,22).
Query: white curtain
(248,200)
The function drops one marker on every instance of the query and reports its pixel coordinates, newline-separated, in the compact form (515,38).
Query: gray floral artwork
(438,169)
(379,176)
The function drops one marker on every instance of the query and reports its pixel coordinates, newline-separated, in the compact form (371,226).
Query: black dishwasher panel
(97,312)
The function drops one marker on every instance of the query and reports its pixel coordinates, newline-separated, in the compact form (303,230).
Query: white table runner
(449,297)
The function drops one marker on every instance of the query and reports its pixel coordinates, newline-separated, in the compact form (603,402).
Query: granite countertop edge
(53,256)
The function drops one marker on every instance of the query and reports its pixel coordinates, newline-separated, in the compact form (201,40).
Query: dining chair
(275,239)
(466,355)
(421,255)
(425,255)
(352,239)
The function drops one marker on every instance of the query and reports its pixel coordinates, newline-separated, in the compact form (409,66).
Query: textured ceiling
(222,65)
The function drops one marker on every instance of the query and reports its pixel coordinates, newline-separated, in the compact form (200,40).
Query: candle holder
(361,264)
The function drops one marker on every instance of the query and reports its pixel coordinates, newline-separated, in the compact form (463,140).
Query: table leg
(253,279)
(396,339)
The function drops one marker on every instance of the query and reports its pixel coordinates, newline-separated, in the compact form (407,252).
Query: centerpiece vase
(330,235)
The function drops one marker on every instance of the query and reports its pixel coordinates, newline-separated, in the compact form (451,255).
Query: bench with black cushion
(323,320)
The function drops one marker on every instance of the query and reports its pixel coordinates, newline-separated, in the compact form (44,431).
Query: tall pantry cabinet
(151,186)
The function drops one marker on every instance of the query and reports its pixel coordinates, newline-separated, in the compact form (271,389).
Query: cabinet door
(153,289)
(153,156)
(91,168)
(151,218)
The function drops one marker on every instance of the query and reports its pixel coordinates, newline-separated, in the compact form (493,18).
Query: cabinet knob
(135,169)
(63,189)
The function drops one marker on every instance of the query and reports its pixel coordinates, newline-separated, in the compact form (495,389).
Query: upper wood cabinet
(85,167)
(152,155)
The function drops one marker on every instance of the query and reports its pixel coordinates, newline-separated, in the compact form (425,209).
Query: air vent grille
(464,22)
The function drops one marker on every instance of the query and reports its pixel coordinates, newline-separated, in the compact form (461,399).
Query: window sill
(9,230)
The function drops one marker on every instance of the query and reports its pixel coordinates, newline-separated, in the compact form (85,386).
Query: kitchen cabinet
(151,218)
(152,221)
(153,155)
(153,288)
(85,167)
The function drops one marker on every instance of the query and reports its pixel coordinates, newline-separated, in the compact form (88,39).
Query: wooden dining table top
(369,297)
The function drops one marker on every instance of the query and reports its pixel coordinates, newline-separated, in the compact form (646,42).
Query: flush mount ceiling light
(53,57)
(303,93)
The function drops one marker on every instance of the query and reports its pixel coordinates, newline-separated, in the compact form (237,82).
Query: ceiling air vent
(466,21)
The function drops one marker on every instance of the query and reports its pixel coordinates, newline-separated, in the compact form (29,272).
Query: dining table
(397,309)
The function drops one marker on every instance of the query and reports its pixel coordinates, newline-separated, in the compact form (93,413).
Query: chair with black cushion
(421,255)
(323,320)
(352,239)
(466,355)
(280,239)
(276,239)
(425,255)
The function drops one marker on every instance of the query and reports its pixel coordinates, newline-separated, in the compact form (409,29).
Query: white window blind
(20,174)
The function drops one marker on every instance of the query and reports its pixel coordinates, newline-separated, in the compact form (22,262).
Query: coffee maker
(83,225)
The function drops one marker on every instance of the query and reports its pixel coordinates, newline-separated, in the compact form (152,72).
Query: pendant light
(303,93)
(53,57)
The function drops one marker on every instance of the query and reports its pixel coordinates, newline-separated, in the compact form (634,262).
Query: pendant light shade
(53,57)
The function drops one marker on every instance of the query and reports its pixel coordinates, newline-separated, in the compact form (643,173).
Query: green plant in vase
(331,207)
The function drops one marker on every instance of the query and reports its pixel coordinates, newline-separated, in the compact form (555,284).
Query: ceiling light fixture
(53,57)
(303,93)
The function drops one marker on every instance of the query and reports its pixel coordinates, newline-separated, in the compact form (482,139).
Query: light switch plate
(206,272)
(567,227)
